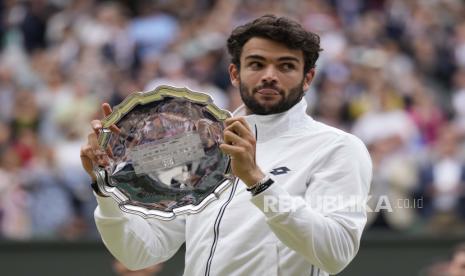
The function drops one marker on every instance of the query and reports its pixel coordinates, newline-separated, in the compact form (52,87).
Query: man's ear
(308,79)
(234,75)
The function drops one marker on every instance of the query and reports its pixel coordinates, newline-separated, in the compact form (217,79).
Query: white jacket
(314,230)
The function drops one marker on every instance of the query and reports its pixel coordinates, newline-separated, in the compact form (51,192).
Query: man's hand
(91,153)
(239,144)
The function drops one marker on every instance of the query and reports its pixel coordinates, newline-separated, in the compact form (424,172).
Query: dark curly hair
(279,29)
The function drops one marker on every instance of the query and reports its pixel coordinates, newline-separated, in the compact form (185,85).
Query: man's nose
(270,75)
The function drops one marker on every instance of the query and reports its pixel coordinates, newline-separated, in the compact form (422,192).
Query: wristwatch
(261,185)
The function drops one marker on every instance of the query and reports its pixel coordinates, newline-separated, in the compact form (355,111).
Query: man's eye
(287,66)
(255,65)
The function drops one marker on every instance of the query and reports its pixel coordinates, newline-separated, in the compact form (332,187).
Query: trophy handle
(104,137)
(100,173)
(228,172)
(101,177)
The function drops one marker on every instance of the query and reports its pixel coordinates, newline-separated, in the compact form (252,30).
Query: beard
(293,97)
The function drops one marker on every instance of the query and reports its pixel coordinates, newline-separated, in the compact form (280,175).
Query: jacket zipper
(216,227)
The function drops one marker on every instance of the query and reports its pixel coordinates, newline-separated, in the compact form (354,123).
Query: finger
(99,156)
(86,152)
(232,138)
(93,143)
(89,160)
(96,126)
(106,109)
(115,129)
(83,152)
(98,160)
(110,152)
(233,151)
(241,120)
(241,130)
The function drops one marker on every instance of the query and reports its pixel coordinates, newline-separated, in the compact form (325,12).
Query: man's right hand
(91,153)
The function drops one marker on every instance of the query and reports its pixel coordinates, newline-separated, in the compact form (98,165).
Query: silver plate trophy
(165,161)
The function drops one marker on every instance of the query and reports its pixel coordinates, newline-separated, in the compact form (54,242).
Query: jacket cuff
(107,207)
(274,201)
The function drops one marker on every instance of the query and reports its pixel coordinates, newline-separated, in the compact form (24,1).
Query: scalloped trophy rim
(141,98)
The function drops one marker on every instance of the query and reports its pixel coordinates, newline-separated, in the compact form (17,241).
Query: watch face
(165,160)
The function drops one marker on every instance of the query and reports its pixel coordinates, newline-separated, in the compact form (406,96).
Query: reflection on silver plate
(165,161)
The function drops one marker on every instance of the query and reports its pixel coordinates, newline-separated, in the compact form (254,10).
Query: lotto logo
(280,170)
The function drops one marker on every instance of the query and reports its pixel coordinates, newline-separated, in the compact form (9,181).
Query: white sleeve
(326,226)
(135,241)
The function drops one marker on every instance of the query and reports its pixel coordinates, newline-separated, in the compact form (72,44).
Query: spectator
(442,184)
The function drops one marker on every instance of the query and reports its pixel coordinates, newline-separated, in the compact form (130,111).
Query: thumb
(106,108)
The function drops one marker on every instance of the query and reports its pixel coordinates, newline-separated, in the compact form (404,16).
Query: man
(292,210)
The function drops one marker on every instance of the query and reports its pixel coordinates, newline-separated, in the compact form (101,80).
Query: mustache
(268,86)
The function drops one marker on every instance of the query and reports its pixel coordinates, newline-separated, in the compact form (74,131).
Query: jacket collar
(267,127)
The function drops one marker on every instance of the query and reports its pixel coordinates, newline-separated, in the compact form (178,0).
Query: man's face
(271,78)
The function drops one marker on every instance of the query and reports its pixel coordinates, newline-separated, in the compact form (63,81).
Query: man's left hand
(240,145)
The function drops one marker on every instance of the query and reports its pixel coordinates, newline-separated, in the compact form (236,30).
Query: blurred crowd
(392,72)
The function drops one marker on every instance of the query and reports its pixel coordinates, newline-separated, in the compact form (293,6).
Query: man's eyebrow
(289,58)
(255,57)
(285,58)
